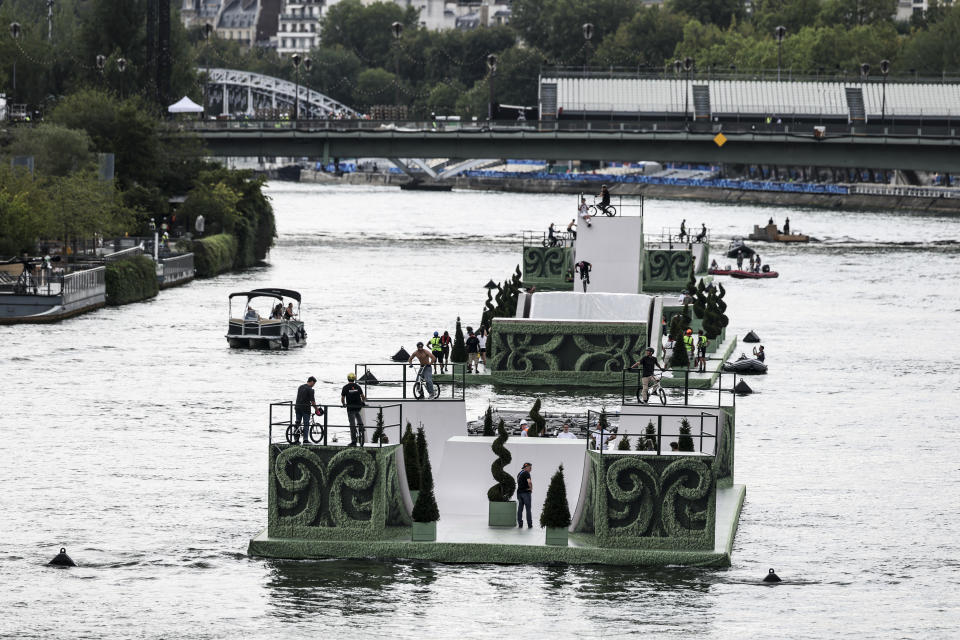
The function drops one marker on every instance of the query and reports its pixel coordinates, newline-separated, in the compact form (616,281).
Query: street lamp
(49,20)
(15,32)
(307,65)
(864,70)
(687,66)
(884,70)
(587,36)
(779,33)
(295,58)
(121,67)
(492,66)
(397,29)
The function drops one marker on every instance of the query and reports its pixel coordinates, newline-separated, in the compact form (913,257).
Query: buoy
(772,577)
(368,377)
(742,389)
(751,337)
(401,356)
(62,559)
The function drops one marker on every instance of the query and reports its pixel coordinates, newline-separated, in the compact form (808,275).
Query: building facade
(299,26)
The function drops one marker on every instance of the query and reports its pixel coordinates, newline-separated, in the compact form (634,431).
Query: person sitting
(288,312)
(703,232)
(674,446)
(251,314)
(277,312)
(584,210)
(714,265)
(647,444)
(572,229)
(604,198)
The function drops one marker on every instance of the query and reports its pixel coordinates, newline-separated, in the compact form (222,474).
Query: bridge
(231,92)
(862,146)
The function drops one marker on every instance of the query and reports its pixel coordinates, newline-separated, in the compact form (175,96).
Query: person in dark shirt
(647,364)
(305,403)
(524,495)
(473,353)
(351,397)
(604,198)
(759,354)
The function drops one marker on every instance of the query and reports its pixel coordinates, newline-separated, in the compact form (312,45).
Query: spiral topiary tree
(556,511)
(699,298)
(411,458)
(488,422)
(503,490)
(539,427)
(458,353)
(685,442)
(425,509)
(678,327)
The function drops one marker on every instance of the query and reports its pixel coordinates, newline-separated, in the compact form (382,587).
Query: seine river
(134,437)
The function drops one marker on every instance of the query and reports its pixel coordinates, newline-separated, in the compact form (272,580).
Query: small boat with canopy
(268,319)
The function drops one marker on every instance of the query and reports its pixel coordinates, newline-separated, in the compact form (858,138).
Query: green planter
(503,514)
(557,536)
(424,532)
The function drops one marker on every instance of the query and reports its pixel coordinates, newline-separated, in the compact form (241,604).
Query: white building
(299,26)
(906,8)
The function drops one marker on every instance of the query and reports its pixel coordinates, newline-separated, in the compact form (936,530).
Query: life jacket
(702,341)
(688,342)
(435,344)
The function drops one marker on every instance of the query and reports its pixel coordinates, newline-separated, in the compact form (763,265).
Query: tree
(376,86)
(555,26)
(685,442)
(488,422)
(718,12)
(366,30)
(556,511)
(624,444)
(411,458)
(442,99)
(853,13)
(458,353)
(56,150)
(539,427)
(425,509)
(648,39)
(378,433)
(505,485)
(334,72)
(767,15)
(649,440)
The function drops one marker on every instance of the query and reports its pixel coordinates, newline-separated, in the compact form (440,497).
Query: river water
(136,438)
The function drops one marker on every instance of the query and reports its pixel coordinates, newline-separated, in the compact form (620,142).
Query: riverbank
(843,202)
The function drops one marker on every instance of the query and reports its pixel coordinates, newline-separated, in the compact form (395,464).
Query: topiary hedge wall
(131,280)
(214,254)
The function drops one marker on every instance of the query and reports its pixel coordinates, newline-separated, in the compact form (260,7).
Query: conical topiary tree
(556,511)
(425,509)
(458,353)
(503,490)
(685,442)
(488,422)
(648,442)
(624,444)
(411,458)
(539,426)
(378,431)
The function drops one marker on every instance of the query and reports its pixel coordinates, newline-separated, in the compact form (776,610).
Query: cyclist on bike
(646,364)
(604,198)
(551,238)
(351,397)
(426,359)
(583,268)
(584,210)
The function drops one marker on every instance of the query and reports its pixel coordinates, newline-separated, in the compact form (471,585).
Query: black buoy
(62,559)
(742,389)
(369,378)
(772,577)
(401,356)
(751,337)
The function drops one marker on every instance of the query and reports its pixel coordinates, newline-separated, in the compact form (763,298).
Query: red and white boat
(753,275)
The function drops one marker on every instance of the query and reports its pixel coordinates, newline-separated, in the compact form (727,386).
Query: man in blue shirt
(524,495)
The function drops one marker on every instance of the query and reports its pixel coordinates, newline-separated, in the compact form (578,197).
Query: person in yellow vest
(436,348)
(702,351)
(688,342)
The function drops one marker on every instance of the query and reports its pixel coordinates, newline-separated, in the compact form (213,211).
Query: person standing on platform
(351,397)
(473,353)
(306,402)
(525,495)
(646,364)
(446,342)
(482,347)
(683,230)
(786,227)
(688,343)
(701,351)
(436,348)
(739,260)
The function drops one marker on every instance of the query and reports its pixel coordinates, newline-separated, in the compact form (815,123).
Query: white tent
(185,105)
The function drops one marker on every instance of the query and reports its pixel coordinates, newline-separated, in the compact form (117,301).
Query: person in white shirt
(584,211)
(523,430)
(603,439)
(565,433)
(482,337)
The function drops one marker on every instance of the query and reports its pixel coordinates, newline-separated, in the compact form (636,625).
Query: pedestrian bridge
(233,92)
(924,148)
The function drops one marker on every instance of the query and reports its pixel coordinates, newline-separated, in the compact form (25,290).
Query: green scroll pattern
(545,263)
(666,270)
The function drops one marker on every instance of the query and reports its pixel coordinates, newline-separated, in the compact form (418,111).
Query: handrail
(699,436)
(405,378)
(731,377)
(123,254)
(540,239)
(287,407)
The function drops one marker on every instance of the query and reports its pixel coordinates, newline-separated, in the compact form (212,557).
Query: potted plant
(685,442)
(425,512)
(503,510)
(488,422)
(555,516)
(411,461)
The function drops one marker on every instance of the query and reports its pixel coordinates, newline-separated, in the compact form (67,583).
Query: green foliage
(539,427)
(56,150)
(556,511)
(213,254)
(459,351)
(555,26)
(378,433)
(505,485)
(624,444)
(488,422)
(648,442)
(719,12)
(679,324)
(685,442)
(411,458)
(374,86)
(425,509)
(697,291)
(648,39)
(131,280)
(366,30)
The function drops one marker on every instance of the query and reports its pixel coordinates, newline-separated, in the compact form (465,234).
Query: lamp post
(779,33)
(100,61)
(307,65)
(397,29)
(49,20)
(15,32)
(492,66)
(121,67)
(884,70)
(687,66)
(587,36)
(295,58)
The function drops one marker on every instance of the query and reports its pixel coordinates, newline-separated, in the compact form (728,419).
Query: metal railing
(634,206)
(671,235)
(177,267)
(605,441)
(83,284)
(541,239)
(396,381)
(123,254)
(282,416)
(631,386)
(904,191)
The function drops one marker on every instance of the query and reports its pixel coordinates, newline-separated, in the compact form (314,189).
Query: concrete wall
(614,246)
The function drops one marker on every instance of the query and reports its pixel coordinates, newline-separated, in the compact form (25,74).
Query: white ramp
(614,248)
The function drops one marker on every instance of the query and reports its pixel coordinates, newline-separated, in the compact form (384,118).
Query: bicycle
(653,390)
(583,268)
(315,434)
(597,209)
(419,385)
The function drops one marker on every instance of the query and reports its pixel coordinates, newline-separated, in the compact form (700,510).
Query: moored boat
(745,366)
(737,246)
(753,275)
(770,233)
(279,328)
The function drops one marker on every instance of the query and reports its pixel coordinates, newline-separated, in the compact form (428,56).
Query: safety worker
(436,348)
(702,351)
(688,342)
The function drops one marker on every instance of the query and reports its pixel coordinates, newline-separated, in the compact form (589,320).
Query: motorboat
(419,185)
(753,275)
(770,233)
(737,246)
(267,320)
(745,366)
(717,271)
